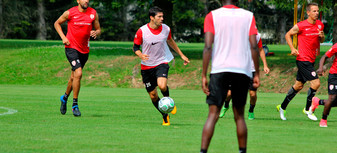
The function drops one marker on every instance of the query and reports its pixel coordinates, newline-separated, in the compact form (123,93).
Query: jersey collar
(230,6)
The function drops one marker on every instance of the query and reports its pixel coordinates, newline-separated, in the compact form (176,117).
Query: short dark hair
(309,6)
(154,10)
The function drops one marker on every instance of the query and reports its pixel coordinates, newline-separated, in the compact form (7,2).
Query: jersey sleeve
(331,51)
(169,36)
(138,40)
(253,28)
(260,43)
(209,24)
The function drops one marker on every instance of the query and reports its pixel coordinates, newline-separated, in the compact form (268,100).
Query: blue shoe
(76,111)
(63,108)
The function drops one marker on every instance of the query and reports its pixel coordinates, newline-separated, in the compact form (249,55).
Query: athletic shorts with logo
(251,87)
(150,76)
(219,85)
(76,58)
(306,71)
(332,84)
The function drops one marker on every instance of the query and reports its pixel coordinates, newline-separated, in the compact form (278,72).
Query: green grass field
(117,115)
(113,120)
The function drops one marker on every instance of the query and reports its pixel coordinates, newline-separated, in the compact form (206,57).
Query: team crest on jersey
(92,16)
(313,73)
(331,87)
(319,27)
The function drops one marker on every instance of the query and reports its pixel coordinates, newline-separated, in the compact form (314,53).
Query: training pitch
(124,120)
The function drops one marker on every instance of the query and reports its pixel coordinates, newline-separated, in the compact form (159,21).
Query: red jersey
(333,51)
(79,27)
(308,40)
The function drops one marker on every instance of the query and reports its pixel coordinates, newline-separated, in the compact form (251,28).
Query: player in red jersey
(229,31)
(81,19)
(310,34)
(154,38)
(332,86)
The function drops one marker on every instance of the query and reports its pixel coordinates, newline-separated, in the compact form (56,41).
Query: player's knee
(162,87)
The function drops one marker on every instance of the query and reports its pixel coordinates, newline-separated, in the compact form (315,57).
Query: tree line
(120,19)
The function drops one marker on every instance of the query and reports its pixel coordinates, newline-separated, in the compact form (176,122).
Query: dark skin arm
(207,53)
(320,70)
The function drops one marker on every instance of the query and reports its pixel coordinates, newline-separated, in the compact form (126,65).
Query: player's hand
(205,85)
(93,34)
(294,52)
(256,81)
(266,69)
(320,72)
(144,57)
(65,41)
(320,33)
(186,61)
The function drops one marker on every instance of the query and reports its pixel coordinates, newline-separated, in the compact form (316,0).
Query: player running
(155,56)
(252,90)
(228,32)
(80,20)
(332,86)
(310,34)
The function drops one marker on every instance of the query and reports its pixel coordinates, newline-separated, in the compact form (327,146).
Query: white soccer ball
(166,104)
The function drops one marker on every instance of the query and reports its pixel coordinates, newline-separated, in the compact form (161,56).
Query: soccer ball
(166,104)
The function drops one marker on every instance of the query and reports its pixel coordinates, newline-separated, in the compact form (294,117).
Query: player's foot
(76,111)
(310,115)
(282,112)
(223,111)
(63,108)
(323,123)
(166,120)
(314,104)
(251,116)
(174,111)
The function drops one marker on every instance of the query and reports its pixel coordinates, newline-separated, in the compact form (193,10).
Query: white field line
(9,111)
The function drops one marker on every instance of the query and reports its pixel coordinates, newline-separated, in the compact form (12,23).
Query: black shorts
(150,76)
(219,85)
(76,58)
(306,71)
(332,84)
(251,87)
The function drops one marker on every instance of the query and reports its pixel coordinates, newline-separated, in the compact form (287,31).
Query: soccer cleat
(63,108)
(310,115)
(223,111)
(282,112)
(251,116)
(323,123)
(174,111)
(166,120)
(76,111)
(314,104)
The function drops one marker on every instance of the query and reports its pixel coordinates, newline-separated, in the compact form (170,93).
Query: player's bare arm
(321,36)
(320,70)
(175,47)
(63,18)
(207,54)
(97,31)
(293,31)
(255,56)
(142,56)
(264,60)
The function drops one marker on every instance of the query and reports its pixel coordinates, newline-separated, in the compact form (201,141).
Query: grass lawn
(124,120)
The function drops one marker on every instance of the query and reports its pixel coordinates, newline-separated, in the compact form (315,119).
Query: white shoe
(310,114)
(282,112)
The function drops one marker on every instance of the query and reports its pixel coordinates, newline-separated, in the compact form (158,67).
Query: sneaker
(282,112)
(63,108)
(223,111)
(174,111)
(251,116)
(310,115)
(76,111)
(323,123)
(314,104)
(166,120)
